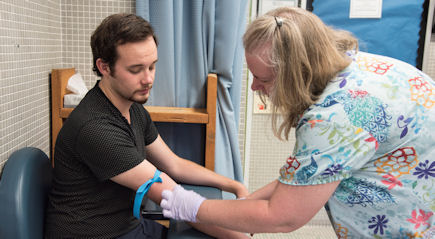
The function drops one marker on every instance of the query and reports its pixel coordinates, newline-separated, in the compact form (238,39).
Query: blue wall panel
(396,34)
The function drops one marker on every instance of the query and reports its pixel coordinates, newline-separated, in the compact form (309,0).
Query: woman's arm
(219,232)
(289,208)
(264,192)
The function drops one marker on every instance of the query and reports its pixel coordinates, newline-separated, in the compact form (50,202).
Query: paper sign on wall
(261,107)
(365,9)
(267,5)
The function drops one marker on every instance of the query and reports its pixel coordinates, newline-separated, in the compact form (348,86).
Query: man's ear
(103,67)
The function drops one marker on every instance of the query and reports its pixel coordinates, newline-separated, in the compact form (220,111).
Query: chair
(24,186)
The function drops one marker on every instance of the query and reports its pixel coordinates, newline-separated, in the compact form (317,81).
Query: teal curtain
(195,38)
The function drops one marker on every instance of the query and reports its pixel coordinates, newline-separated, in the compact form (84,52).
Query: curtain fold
(195,38)
(228,63)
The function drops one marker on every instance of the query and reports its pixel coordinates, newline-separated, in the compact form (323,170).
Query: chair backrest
(24,186)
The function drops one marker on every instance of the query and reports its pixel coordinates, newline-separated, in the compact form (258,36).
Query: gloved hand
(181,204)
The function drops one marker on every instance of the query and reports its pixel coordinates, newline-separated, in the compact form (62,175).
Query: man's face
(133,74)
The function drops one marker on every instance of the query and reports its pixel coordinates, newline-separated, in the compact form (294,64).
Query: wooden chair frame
(207,116)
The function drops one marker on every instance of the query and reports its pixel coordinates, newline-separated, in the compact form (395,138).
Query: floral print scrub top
(373,128)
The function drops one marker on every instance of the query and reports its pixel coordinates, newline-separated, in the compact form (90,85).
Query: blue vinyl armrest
(24,185)
(182,230)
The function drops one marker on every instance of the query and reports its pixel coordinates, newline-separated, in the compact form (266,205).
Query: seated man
(109,146)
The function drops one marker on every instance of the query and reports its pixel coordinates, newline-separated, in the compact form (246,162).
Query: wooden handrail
(165,114)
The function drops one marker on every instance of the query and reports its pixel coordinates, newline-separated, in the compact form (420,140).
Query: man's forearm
(198,175)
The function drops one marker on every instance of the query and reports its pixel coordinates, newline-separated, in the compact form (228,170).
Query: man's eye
(152,67)
(135,71)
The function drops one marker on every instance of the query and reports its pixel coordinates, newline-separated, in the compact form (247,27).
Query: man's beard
(141,100)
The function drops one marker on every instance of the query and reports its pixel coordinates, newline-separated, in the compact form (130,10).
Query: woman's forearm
(219,232)
(251,216)
(264,192)
(288,208)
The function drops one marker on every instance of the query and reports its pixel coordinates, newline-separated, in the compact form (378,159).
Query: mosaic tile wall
(30,45)
(35,37)
(79,20)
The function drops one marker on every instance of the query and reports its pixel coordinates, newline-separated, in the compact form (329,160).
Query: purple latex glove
(181,204)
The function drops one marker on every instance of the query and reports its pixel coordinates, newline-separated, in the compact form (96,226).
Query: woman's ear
(103,67)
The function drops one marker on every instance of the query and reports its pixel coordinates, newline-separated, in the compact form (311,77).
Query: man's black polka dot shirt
(95,144)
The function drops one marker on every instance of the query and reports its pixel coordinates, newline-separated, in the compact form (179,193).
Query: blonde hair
(305,55)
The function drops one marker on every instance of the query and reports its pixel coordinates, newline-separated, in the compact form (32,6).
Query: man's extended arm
(185,171)
(160,156)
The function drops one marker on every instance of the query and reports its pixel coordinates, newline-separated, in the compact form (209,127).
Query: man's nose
(147,77)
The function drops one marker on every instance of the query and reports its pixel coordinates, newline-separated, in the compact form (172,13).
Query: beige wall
(79,20)
(431,65)
(30,45)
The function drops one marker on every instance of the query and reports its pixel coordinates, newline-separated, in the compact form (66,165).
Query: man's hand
(240,190)
(181,204)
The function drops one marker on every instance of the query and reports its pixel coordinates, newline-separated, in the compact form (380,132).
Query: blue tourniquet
(142,190)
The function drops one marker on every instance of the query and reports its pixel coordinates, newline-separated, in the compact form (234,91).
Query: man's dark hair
(115,30)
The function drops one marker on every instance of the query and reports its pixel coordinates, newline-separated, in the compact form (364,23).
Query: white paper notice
(365,9)
(267,5)
(261,107)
